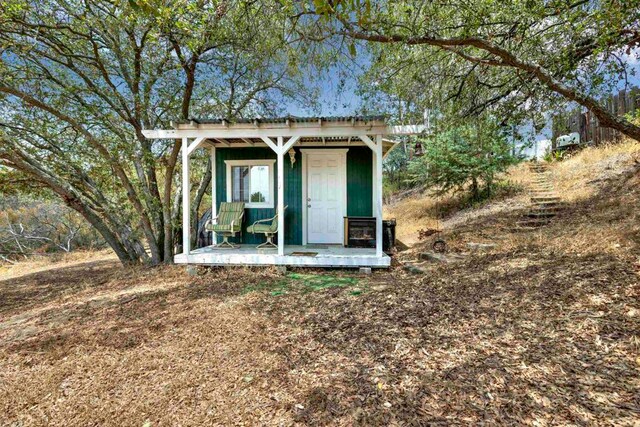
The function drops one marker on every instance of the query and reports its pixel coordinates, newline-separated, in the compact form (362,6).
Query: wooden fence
(587,125)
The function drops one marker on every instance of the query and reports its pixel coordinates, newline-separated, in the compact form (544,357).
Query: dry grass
(508,338)
(542,331)
(577,178)
(53,261)
(426,211)
(413,214)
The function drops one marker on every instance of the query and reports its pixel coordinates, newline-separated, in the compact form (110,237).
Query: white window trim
(263,162)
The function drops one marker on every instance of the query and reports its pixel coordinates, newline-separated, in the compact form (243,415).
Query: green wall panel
(359,191)
(359,181)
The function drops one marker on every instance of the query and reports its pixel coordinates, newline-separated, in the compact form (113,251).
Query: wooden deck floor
(294,255)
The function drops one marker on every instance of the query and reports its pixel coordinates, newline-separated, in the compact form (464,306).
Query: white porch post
(214,205)
(378,193)
(186,202)
(280,154)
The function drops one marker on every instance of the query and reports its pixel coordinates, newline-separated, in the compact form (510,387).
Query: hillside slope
(598,185)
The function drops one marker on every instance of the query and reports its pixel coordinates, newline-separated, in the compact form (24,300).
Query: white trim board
(259,162)
(321,260)
(305,152)
(275,130)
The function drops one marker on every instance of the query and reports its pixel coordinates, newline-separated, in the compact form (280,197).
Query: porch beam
(222,141)
(280,154)
(378,188)
(270,143)
(186,199)
(290,143)
(369,142)
(195,144)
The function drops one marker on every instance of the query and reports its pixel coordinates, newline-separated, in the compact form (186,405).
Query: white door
(326,188)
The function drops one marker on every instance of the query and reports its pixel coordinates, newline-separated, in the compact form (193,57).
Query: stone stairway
(545,202)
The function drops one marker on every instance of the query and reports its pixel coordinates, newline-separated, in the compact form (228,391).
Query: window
(251,182)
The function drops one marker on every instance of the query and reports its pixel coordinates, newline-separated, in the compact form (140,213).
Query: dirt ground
(543,330)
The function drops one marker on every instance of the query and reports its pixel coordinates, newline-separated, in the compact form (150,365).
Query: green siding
(359,191)
(359,181)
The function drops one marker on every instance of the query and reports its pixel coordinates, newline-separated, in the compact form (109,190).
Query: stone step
(542,195)
(481,247)
(439,257)
(533,222)
(536,199)
(414,269)
(538,214)
(541,183)
(545,196)
(551,204)
(545,208)
(525,225)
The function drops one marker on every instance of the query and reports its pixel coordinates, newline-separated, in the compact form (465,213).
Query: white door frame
(305,152)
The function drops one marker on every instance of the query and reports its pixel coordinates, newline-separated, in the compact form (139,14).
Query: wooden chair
(268,227)
(228,222)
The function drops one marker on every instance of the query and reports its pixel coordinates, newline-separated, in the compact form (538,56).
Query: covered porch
(294,255)
(345,179)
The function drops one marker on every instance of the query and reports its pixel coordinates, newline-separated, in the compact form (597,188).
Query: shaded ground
(538,332)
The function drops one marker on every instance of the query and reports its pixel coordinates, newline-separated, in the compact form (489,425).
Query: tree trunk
(126,247)
(474,189)
(168,208)
(195,207)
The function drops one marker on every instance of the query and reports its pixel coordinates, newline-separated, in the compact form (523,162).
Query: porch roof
(309,131)
(286,119)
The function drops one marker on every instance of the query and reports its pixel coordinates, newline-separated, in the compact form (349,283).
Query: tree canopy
(509,57)
(80,80)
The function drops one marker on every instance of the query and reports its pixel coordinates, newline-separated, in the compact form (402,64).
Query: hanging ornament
(292,156)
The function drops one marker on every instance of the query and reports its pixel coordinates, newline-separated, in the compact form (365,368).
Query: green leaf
(352,50)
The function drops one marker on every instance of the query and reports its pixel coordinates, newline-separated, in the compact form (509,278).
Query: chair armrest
(264,220)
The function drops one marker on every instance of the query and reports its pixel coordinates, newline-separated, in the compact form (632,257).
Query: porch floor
(294,255)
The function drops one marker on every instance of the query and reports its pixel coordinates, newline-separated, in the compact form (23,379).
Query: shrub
(462,157)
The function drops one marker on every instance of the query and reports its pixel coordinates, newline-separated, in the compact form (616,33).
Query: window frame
(269,163)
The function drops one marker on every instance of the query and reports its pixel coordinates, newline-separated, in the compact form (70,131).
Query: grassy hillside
(601,205)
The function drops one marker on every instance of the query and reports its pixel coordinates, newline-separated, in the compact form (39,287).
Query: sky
(333,101)
(344,101)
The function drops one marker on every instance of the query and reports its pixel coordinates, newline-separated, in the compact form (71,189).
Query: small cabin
(285,189)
